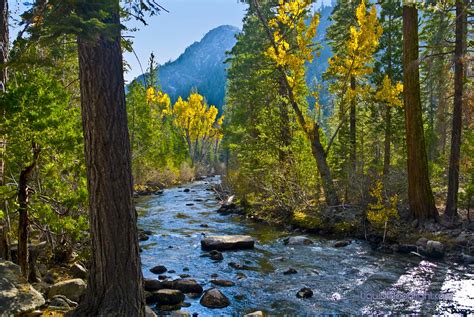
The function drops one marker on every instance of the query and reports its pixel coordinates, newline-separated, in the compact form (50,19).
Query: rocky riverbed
(285,272)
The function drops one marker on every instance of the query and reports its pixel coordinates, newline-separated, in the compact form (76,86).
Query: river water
(349,280)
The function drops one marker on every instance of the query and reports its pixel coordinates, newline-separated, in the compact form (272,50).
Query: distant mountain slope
(200,67)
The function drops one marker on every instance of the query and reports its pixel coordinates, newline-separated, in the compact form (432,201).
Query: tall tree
(420,195)
(459,78)
(4,46)
(290,61)
(115,280)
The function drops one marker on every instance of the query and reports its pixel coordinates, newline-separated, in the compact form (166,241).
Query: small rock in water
(223,283)
(341,243)
(204,225)
(290,271)
(305,292)
(171,271)
(213,298)
(216,255)
(239,297)
(239,266)
(189,204)
(165,297)
(255,314)
(159,269)
(162,277)
(180,313)
(298,240)
(184,275)
(186,269)
(214,275)
(187,286)
(186,190)
(241,276)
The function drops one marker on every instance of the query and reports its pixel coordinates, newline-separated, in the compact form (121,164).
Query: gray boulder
(16,295)
(165,297)
(72,289)
(298,240)
(434,249)
(187,286)
(213,298)
(222,243)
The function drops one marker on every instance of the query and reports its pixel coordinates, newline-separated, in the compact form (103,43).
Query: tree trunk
(459,73)
(352,131)
(420,196)
(387,141)
(115,279)
(23,222)
(317,149)
(4,46)
(4,42)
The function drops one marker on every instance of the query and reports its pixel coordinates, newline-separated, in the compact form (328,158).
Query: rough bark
(4,46)
(387,141)
(420,195)
(23,222)
(4,41)
(459,76)
(115,279)
(352,131)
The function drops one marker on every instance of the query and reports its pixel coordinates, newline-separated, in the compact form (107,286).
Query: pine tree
(420,196)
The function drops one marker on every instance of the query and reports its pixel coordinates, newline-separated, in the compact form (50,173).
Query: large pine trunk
(459,73)
(115,279)
(420,196)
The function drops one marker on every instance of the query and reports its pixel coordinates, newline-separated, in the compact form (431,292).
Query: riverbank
(453,243)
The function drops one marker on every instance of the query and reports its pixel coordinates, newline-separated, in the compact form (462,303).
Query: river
(349,280)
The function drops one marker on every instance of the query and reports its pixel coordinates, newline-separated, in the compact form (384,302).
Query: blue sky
(168,34)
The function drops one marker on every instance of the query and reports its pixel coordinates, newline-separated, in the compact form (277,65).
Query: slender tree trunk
(4,46)
(459,73)
(420,196)
(387,141)
(352,131)
(285,135)
(23,222)
(115,279)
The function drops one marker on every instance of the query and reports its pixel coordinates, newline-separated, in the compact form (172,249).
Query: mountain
(200,67)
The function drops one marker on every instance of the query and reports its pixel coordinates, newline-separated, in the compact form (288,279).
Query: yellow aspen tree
(291,46)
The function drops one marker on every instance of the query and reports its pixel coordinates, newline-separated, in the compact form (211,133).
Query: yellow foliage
(390,93)
(290,19)
(363,42)
(383,210)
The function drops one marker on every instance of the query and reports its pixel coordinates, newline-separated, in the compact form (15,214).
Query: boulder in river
(341,243)
(151,285)
(298,240)
(16,295)
(159,269)
(290,271)
(223,283)
(214,255)
(213,298)
(187,286)
(305,292)
(165,297)
(434,249)
(222,243)
(255,314)
(72,289)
